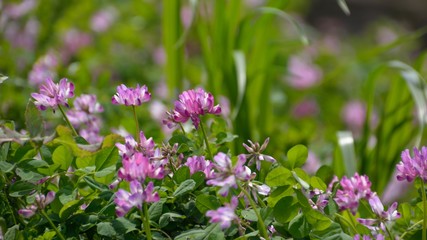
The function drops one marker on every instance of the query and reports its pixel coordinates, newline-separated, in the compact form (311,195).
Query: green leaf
(185,187)
(286,209)
(319,221)
(278,194)
(316,182)
(240,63)
(206,202)
(344,7)
(299,226)
(182,174)
(104,172)
(33,120)
(69,208)
(333,232)
(199,178)
(302,199)
(278,177)
(27,175)
(62,156)
(300,180)
(179,138)
(156,210)
(106,229)
(6,167)
(106,157)
(3,78)
(249,215)
(122,225)
(94,184)
(297,156)
(325,173)
(21,188)
(12,233)
(346,145)
(170,217)
(191,234)
(212,232)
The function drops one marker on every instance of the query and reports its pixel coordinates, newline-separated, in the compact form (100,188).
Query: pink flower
(303,74)
(410,168)
(305,108)
(138,167)
(255,153)
(354,189)
(125,201)
(354,115)
(145,146)
(131,96)
(102,20)
(224,215)
(382,217)
(198,163)
(227,175)
(43,68)
(41,201)
(193,104)
(52,95)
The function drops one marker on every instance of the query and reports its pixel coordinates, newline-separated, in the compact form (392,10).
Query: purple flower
(226,175)
(43,68)
(191,105)
(255,153)
(354,115)
(102,20)
(52,95)
(198,163)
(305,108)
(366,237)
(354,189)
(145,146)
(138,167)
(410,168)
(125,201)
(41,201)
(224,215)
(131,96)
(303,73)
(312,164)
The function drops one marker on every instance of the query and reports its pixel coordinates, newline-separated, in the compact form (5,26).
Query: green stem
(146,221)
(136,123)
(410,228)
(261,225)
(423,193)
(182,128)
(53,225)
(161,231)
(68,121)
(206,140)
(347,222)
(388,231)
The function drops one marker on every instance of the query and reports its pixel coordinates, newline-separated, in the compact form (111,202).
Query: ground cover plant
(208,120)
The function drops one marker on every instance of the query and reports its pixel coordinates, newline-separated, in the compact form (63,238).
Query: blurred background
(299,72)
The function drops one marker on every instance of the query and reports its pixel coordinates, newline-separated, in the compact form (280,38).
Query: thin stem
(136,123)
(206,141)
(388,231)
(53,225)
(247,225)
(146,221)
(410,228)
(347,222)
(261,225)
(68,121)
(161,231)
(182,128)
(423,193)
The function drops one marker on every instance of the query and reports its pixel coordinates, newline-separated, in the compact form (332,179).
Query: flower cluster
(53,95)
(83,117)
(224,215)
(383,217)
(131,96)
(199,164)
(191,105)
(410,168)
(255,153)
(353,190)
(44,68)
(138,194)
(41,201)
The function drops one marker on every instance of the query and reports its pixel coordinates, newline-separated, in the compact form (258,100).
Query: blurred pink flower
(312,164)
(73,41)
(22,38)
(159,56)
(303,73)
(386,35)
(131,96)
(43,68)
(305,108)
(224,215)
(17,10)
(102,20)
(354,115)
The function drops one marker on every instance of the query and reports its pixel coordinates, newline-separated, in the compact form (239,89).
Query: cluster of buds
(40,203)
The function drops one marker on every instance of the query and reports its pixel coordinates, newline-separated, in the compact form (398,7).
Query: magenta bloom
(255,153)
(224,215)
(410,168)
(227,175)
(52,95)
(354,189)
(382,216)
(303,73)
(41,201)
(131,96)
(198,163)
(145,146)
(192,104)
(125,201)
(138,167)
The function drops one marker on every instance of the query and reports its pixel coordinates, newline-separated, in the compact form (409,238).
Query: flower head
(191,105)
(354,189)
(198,163)
(131,96)
(41,201)
(138,167)
(125,201)
(255,153)
(410,168)
(224,215)
(52,95)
